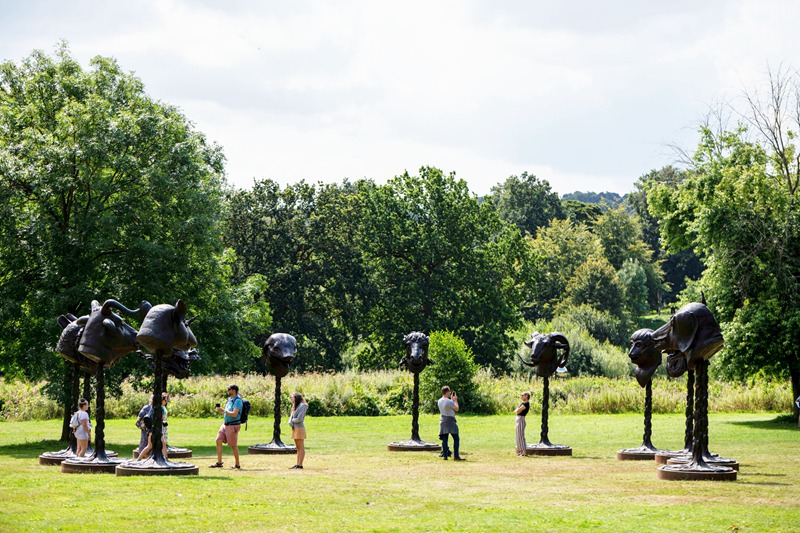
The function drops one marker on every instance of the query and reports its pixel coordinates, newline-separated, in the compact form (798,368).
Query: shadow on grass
(782,422)
(32,450)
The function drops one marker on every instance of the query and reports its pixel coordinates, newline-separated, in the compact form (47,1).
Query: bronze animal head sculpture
(165,327)
(106,337)
(416,357)
(644,355)
(178,364)
(691,335)
(279,351)
(545,352)
(70,339)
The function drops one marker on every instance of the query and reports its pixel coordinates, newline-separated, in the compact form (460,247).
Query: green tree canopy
(440,261)
(739,210)
(104,193)
(527,202)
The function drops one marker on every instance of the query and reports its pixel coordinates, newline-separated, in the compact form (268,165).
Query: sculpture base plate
(173,452)
(696,473)
(642,453)
(413,446)
(548,449)
(665,455)
(78,465)
(149,467)
(715,461)
(272,449)
(55,458)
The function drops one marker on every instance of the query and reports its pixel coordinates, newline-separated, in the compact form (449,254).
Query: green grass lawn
(351,483)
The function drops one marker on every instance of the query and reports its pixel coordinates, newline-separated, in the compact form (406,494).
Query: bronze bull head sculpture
(106,337)
(416,357)
(279,351)
(545,350)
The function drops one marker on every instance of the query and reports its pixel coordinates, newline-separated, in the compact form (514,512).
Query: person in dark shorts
(448,407)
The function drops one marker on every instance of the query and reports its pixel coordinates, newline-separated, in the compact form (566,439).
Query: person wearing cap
(229,430)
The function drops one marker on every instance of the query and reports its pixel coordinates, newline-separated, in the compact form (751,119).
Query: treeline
(108,193)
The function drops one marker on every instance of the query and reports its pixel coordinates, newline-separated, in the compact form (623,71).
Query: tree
(581,212)
(439,260)
(302,240)
(527,202)
(678,266)
(595,283)
(620,235)
(739,210)
(559,250)
(104,193)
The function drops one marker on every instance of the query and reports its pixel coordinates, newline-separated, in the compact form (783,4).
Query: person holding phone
(448,407)
(521,411)
(229,430)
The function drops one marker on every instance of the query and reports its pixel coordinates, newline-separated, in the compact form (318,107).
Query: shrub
(453,365)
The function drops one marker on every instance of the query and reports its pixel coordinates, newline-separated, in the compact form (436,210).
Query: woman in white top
(84,429)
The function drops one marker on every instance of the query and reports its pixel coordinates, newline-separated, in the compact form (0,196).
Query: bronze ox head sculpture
(279,351)
(644,355)
(691,335)
(106,337)
(165,328)
(70,339)
(545,356)
(416,357)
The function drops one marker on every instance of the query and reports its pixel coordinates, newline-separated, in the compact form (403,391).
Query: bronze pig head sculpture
(279,351)
(691,335)
(544,352)
(644,355)
(416,357)
(164,328)
(106,337)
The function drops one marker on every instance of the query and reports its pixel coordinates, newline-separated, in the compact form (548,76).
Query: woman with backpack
(84,429)
(296,422)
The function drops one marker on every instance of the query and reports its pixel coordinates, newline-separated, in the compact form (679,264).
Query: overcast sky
(587,95)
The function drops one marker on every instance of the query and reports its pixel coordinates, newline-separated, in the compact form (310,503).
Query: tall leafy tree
(739,210)
(440,260)
(104,193)
(527,202)
(302,240)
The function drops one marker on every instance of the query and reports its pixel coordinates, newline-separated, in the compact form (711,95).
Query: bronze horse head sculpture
(416,357)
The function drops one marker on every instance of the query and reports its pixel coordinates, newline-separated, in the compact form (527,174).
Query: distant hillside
(606,200)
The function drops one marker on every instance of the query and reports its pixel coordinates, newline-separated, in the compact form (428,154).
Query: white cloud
(583,94)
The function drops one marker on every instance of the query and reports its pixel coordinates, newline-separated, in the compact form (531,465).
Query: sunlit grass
(351,483)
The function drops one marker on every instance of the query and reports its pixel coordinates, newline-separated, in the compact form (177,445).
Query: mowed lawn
(352,483)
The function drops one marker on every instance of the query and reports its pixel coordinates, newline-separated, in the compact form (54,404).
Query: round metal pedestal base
(717,461)
(55,458)
(173,452)
(413,446)
(149,467)
(665,455)
(272,449)
(687,473)
(88,466)
(635,454)
(552,449)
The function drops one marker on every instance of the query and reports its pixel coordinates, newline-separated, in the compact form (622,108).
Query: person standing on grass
(145,412)
(521,411)
(797,403)
(448,407)
(84,429)
(297,423)
(229,430)
(148,422)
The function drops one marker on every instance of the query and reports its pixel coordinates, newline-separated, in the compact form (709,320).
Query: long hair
(297,399)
